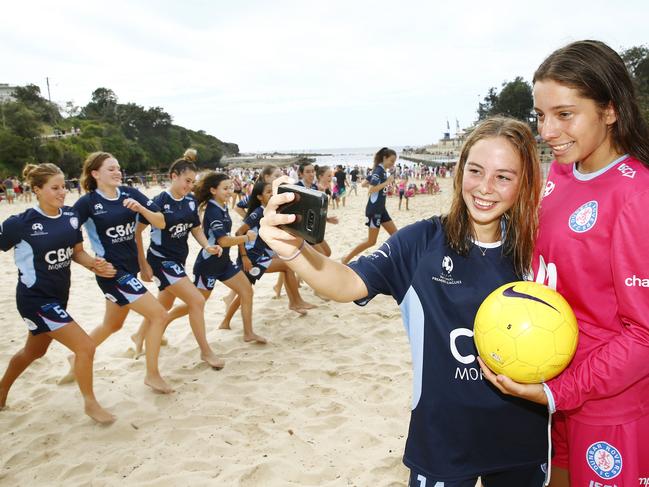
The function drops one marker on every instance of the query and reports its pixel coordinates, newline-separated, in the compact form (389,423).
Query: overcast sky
(301,74)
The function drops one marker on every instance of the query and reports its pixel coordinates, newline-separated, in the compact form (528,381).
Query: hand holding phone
(310,209)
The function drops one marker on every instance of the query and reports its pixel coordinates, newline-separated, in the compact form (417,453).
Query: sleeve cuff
(551,404)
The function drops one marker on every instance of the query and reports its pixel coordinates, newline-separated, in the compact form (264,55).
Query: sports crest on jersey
(604,459)
(584,217)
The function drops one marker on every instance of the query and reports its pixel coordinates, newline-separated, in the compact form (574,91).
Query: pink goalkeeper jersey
(593,248)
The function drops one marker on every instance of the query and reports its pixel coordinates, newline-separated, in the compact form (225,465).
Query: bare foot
(225,325)
(138,342)
(69,377)
(278,290)
(305,305)
(158,384)
(297,309)
(3,398)
(213,361)
(253,337)
(99,414)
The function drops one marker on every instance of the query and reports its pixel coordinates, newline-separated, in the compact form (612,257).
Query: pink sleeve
(622,361)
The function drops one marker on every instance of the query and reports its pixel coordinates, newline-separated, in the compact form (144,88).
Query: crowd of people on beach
(585,241)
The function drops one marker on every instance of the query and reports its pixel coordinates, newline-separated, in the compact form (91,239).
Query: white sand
(325,403)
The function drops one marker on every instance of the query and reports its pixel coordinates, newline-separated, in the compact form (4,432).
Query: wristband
(299,251)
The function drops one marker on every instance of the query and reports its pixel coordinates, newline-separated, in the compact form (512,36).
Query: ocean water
(355,156)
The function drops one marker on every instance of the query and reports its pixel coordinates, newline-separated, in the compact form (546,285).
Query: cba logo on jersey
(584,218)
(74,221)
(604,459)
(192,205)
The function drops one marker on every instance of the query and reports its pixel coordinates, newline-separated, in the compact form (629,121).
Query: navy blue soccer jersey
(181,216)
(377,200)
(460,425)
(243,202)
(43,249)
(216,224)
(258,247)
(111,226)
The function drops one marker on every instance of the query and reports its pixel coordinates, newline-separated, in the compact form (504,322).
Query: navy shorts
(521,477)
(123,289)
(259,266)
(374,220)
(206,274)
(165,272)
(43,314)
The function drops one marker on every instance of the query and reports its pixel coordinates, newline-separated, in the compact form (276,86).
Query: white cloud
(300,74)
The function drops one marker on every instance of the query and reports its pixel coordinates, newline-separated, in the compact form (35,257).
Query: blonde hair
(522,218)
(190,155)
(92,163)
(37,175)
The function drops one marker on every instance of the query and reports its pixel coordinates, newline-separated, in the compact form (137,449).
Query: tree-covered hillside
(33,129)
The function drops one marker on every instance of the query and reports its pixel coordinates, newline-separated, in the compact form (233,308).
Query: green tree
(637,62)
(514,100)
(15,151)
(103,105)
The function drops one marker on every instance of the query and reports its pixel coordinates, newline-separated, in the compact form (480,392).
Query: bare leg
(295,301)
(74,338)
(230,312)
(389,227)
(114,317)
(228,299)
(372,235)
(278,286)
(185,290)
(35,347)
(240,284)
(166,299)
(150,308)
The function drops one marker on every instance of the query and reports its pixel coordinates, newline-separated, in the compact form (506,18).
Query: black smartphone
(310,210)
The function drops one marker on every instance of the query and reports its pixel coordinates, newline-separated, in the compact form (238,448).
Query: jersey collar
(40,210)
(119,193)
(172,196)
(592,175)
(214,202)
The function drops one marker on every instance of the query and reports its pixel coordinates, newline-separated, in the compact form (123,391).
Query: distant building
(7,92)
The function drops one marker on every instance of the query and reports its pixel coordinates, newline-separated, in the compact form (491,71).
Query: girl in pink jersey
(592,249)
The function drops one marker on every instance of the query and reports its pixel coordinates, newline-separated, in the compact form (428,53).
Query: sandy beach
(325,403)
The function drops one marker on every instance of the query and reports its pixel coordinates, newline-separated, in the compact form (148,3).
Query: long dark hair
(522,218)
(383,154)
(598,73)
(254,202)
(208,181)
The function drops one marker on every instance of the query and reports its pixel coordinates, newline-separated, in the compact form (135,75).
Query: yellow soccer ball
(526,331)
